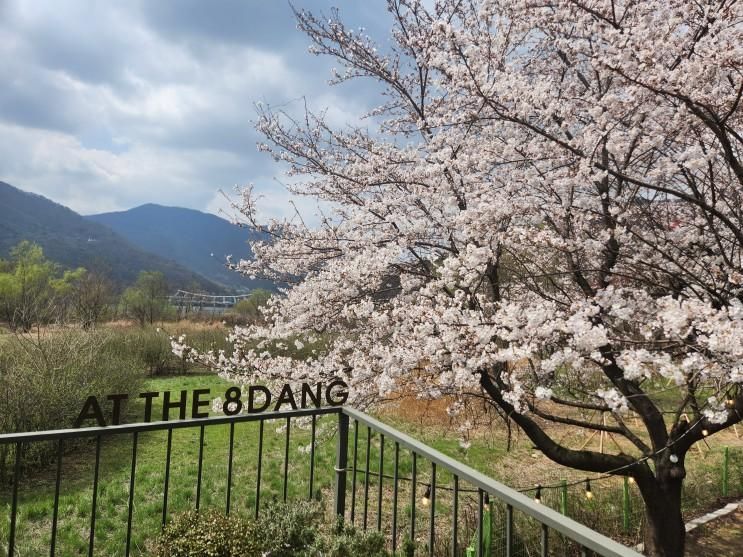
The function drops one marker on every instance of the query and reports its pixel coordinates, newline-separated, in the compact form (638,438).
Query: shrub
(45,377)
(208,533)
(288,530)
(350,542)
(282,530)
(151,348)
(248,311)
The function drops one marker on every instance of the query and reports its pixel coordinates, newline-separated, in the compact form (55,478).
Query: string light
(630,479)
(589,493)
(673,458)
(426,499)
(538,495)
(705,432)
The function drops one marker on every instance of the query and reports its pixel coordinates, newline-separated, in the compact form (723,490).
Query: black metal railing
(464,511)
(524,527)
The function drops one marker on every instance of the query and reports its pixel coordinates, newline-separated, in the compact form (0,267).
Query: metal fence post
(725,471)
(564,497)
(341,463)
(625,504)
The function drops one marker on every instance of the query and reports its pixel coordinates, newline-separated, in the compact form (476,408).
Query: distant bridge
(194,301)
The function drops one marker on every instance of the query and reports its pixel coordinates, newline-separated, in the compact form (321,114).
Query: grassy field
(520,467)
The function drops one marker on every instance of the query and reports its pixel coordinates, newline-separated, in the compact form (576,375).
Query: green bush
(347,541)
(209,533)
(209,339)
(248,311)
(297,529)
(46,376)
(151,348)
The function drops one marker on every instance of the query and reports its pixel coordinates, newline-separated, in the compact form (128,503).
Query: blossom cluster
(549,197)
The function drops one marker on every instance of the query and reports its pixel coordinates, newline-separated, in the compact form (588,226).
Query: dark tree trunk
(660,479)
(665,532)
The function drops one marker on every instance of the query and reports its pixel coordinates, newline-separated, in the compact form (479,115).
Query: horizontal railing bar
(578,532)
(53,435)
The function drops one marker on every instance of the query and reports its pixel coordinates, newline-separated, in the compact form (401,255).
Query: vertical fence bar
(455,517)
(564,496)
(509,531)
(545,541)
(413,482)
(135,437)
(432,516)
(625,505)
(355,464)
(14,503)
(725,471)
(286,457)
(312,456)
(366,475)
(341,462)
(379,485)
(201,467)
(229,467)
(395,480)
(258,471)
(167,476)
(95,494)
(55,512)
(480,522)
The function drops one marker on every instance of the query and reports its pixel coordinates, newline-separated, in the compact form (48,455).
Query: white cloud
(103,108)
(93,180)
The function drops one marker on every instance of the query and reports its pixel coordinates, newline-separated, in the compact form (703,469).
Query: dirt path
(721,538)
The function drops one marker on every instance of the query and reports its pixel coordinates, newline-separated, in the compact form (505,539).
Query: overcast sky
(108,105)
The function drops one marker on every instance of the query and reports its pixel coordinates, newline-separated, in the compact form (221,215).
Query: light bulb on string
(589,493)
(705,432)
(630,479)
(426,499)
(538,495)
(673,458)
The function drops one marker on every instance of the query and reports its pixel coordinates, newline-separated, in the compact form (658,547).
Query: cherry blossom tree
(544,211)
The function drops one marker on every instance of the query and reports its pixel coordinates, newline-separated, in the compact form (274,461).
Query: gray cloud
(235,21)
(109,105)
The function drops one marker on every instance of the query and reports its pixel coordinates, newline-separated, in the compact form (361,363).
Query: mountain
(196,240)
(74,241)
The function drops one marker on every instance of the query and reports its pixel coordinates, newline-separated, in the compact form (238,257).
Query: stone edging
(704,519)
(719,513)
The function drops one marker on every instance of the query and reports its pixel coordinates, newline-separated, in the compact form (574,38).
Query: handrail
(56,434)
(574,530)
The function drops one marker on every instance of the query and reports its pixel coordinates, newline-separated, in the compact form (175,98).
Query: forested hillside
(74,241)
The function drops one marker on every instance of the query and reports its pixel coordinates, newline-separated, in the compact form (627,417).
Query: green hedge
(282,530)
